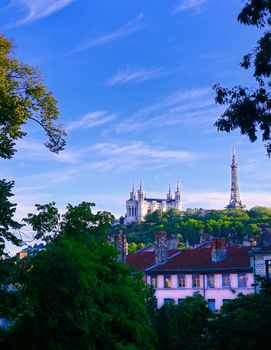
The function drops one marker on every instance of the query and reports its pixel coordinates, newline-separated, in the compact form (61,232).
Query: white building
(138,205)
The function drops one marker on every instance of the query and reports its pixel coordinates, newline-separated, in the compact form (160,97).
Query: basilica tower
(235,201)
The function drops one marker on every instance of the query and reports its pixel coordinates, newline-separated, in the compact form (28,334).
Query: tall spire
(169,195)
(235,201)
(133,193)
(178,186)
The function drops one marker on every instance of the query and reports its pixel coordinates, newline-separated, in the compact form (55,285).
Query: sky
(133,80)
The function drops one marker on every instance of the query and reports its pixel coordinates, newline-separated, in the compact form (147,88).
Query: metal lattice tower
(235,201)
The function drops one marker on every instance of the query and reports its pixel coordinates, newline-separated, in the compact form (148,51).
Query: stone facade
(138,205)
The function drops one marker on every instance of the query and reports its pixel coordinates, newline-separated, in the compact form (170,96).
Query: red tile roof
(194,260)
(199,260)
(145,258)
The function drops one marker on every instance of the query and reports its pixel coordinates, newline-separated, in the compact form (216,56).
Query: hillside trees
(248,109)
(189,228)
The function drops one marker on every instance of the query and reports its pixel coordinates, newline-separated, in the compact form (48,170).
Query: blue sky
(133,80)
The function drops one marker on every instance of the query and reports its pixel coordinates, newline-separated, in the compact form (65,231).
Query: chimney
(218,249)
(172,243)
(161,245)
(119,240)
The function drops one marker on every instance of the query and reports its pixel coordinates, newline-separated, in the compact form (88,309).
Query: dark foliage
(248,109)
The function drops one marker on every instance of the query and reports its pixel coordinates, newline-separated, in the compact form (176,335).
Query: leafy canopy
(7,223)
(23,97)
(249,109)
(74,294)
(183,326)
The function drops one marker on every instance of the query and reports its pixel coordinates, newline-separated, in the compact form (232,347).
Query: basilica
(138,205)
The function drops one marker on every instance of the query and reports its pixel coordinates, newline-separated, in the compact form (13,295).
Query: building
(138,205)
(261,255)
(218,272)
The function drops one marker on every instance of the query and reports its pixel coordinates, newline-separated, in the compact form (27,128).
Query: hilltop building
(138,205)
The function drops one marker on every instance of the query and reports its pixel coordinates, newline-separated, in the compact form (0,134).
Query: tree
(183,326)
(75,295)
(23,97)
(259,212)
(7,223)
(244,323)
(9,302)
(248,109)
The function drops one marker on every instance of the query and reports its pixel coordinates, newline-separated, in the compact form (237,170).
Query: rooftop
(194,260)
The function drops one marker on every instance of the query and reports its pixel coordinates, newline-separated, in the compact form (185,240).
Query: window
(181,281)
(154,281)
(180,301)
(211,304)
(225,301)
(226,281)
(242,280)
(195,281)
(168,301)
(268,268)
(167,281)
(210,281)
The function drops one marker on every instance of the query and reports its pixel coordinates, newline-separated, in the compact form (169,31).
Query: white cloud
(91,120)
(121,158)
(37,9)
(219,200)
(134,75)
(189,5)
(36,151)
(140,149)
(191,107)
(128,28)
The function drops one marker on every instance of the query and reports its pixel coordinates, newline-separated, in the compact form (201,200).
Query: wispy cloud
(36,151)
(37,9)
(140,149)
(189,5)
(132,75)
(91,119)
(186,107)
(119,157)
(128,28)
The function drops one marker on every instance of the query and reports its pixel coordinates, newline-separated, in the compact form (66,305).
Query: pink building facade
(216,288)
(218,272)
